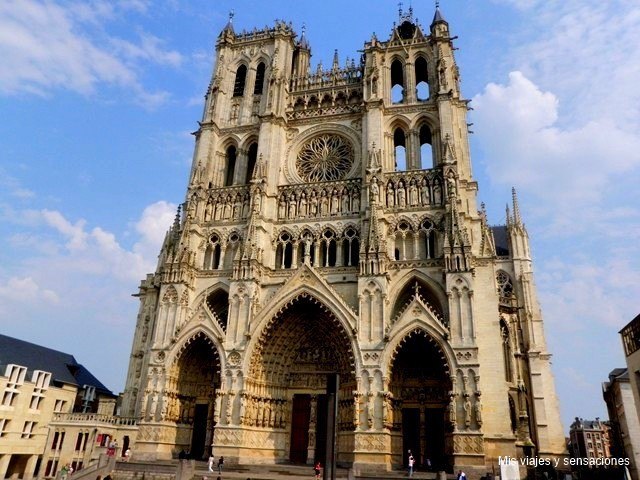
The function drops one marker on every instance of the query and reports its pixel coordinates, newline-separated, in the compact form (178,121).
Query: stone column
(4,464)
(30,467)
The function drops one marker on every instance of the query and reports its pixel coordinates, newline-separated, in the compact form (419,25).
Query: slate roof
(501,238)
(63,367)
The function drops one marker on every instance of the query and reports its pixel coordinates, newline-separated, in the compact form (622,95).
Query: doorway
(199,435)
(410,434)
(300,417)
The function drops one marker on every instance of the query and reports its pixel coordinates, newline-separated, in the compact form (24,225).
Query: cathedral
(331,225)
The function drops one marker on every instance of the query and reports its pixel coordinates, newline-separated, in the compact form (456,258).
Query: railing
(94,418)
(329,78)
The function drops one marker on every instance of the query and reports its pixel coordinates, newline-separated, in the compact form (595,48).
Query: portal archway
(192,383)
(287,380)
(419,383)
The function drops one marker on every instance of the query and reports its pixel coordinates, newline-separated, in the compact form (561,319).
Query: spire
(437,17)
(516,207)
(229,26)
(303,42)
(336,62)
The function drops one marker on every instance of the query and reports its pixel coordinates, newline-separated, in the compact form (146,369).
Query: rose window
(325,158)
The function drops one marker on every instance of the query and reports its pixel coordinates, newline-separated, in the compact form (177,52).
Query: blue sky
(98,99)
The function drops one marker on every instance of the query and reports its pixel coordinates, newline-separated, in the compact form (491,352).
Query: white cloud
(568,170)
(47,46)
(26,290)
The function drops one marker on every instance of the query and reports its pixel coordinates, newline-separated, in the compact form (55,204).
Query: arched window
(350,248)
(233,244)
(284,251)
(405,242)
(252,157)
(328,250)
(241,78)
(231,166)
(257,88)
(506,351)
(400,150)
(426,148)
(505,287)
(427,239)
(397,82)
(212,254)
(422,81)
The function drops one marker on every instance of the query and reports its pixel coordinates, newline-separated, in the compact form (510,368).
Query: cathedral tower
(331,225)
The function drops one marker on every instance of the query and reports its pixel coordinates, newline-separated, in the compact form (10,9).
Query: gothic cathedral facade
(331,225)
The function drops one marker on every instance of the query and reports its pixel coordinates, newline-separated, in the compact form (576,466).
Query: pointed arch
(260,76)
(240,80)
(428,288)
(346,317)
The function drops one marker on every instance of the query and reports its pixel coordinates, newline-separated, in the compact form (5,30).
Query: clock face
(325,158)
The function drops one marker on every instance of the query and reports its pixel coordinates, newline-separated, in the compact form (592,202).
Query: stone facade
(331,225)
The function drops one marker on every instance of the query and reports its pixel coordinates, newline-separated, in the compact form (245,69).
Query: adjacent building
(39,386)
(589,439)
(331,225)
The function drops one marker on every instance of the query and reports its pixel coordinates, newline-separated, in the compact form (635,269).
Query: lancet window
(400,149)
(212,253)
(259,85)
(426,148)
(506,351)
(328,249)
(397,82)
(230,167)
(252,158)
(422,80)
(415,243)
(505,287)
(241,78)
(284,251)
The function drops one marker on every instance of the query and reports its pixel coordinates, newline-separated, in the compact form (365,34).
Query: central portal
(420,384)
(301,346)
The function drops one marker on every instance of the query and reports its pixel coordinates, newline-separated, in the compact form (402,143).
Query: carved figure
(402,195)
(424,192)
(375,190)
(413,194)
(467,411)
(391,200)
(282,207)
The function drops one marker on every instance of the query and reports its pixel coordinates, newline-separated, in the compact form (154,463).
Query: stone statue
(424,192)
(413,194)
(402,195)
(452,410)
(477,409)
(391,201)
(302,210)
(375,190)
(313,204)
(467,411)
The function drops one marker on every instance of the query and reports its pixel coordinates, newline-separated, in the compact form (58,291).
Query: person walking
(461,475)
(220,464)
(411,464)
(316,469)
(211,460)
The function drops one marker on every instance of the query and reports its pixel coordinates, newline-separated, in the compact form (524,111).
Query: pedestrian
(427,463)
(211,460)
(127,454)
(411,463)
(316,469)
(220,464)
(461,475)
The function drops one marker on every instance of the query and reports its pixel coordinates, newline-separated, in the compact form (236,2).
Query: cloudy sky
(98,99)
